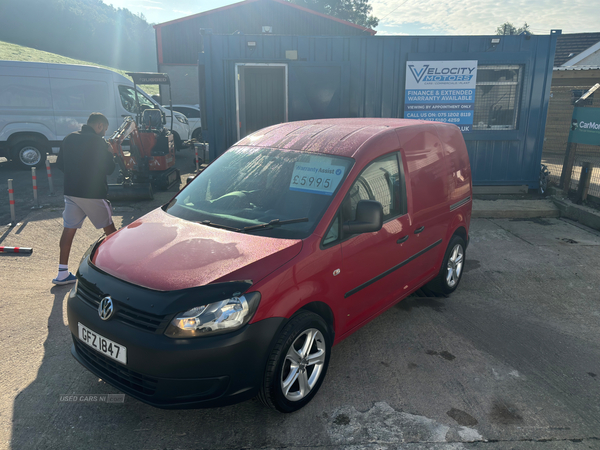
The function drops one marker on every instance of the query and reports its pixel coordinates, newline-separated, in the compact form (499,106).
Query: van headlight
(215,318)
(181,119)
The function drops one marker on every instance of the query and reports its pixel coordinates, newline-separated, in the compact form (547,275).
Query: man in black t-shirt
(86,161)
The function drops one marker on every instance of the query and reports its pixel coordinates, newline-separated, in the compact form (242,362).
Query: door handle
(418,230)
(401,240)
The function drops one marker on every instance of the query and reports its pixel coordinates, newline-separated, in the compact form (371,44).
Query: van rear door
(25,100)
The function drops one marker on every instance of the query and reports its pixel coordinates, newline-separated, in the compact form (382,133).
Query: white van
(42,103)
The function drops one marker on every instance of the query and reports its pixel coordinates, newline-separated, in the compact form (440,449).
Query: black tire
(543,185)
(197,134)
(176,141)
(449,277)
(279,367)
(29,153)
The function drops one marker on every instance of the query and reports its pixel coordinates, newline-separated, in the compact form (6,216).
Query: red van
(293,239)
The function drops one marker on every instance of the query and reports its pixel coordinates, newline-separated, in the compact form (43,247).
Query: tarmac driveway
(510,360)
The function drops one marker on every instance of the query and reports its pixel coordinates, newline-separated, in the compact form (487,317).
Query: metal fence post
(49,172)
(34,181)
(584,182)
(11,201)
(567,172)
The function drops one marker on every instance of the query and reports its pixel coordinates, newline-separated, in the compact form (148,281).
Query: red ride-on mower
(149,163)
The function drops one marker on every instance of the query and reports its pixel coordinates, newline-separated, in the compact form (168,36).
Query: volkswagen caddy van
(288,243)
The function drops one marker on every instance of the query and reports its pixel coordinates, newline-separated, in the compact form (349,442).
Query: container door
(261,97)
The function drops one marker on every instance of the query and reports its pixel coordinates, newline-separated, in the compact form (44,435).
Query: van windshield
(285,191)
(127,95)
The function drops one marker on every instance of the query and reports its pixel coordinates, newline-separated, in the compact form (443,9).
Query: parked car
(192,112)
(292,240)
(41,103)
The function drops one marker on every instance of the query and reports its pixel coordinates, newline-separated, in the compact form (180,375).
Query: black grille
(124,313)
(115,372)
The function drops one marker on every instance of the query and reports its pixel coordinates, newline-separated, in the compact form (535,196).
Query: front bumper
(172,373)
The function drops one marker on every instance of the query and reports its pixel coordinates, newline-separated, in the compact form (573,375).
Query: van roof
(342,137)
(55,66)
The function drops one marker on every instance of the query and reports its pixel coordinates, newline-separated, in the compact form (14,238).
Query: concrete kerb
(514,209)
(583,214)
(551,207)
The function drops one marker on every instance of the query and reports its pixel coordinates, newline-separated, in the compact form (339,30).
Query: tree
(509,28)
(354,11)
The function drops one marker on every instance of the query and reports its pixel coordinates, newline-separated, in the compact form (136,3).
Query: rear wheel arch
(15,138)
(462,232)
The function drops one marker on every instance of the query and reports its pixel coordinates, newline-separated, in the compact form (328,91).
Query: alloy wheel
(303,364)
(455,265)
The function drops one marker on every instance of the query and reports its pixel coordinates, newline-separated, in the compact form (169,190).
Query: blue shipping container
(247,82)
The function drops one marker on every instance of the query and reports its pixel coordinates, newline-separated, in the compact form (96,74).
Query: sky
(422,17)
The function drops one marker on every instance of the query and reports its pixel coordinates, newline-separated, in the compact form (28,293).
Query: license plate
(101,344)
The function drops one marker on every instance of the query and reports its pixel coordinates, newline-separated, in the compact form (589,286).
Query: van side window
(79,95)
(190,113)
(25,93)
(380,181)
(127,95)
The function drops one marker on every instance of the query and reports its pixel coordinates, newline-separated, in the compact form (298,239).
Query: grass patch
(14,52)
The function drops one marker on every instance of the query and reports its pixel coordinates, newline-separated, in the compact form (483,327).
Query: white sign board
(442,91)
(317,176)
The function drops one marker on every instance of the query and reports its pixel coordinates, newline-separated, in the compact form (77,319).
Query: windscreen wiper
(217,225)
(274,223)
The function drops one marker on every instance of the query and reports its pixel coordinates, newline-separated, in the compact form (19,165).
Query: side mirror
(369,218)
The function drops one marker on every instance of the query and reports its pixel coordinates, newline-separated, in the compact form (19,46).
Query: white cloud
(153,7)
(390,33)
(484,16)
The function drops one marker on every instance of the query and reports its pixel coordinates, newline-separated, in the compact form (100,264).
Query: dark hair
(97,118)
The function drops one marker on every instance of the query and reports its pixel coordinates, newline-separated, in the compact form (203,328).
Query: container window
(497,97)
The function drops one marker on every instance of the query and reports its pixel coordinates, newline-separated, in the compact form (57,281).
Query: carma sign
(585,126)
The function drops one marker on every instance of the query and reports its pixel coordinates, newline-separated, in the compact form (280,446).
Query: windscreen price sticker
(316,176)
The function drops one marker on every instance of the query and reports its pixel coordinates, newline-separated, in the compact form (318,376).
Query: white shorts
(77,209)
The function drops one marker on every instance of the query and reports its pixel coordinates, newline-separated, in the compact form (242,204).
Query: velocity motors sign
(585,126)
(442,91)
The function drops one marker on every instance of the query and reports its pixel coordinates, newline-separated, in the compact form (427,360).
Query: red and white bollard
(34,181)
(15,249)
(11,201)
(49,172)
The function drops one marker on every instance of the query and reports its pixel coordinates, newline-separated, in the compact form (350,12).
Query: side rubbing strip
(387,272)
(459,204)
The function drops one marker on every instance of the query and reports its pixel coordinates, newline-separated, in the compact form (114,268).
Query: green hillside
(13,52)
